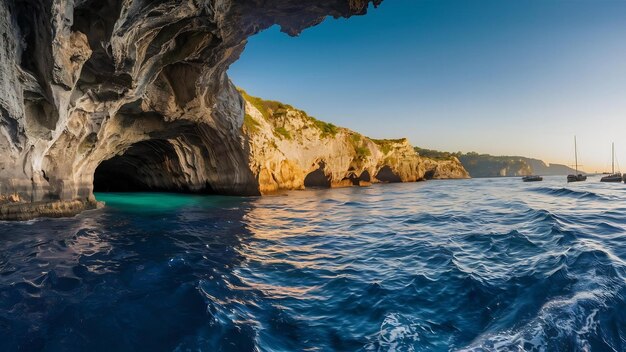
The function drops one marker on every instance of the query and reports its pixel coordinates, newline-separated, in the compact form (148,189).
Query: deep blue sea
(469,265)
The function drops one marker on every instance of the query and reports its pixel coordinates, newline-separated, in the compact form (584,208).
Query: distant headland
(486,165)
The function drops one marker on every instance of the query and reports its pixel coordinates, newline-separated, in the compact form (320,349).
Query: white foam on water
(399,333)
(571,319)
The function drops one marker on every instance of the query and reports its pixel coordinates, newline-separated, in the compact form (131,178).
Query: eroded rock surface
(291,150)
(86,81)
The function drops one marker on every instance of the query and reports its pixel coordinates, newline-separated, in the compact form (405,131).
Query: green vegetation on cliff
(282,131)
(328,129)
(268,108)
(250,123)
(386,145)
(362,152)
(360,148)
(271,110)
(436,154)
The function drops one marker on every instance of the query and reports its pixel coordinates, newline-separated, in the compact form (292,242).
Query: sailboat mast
(613,158)
(576,155)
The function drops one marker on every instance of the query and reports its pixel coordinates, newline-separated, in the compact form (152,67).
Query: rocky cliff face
(140,84)
(133,95)
(291,150)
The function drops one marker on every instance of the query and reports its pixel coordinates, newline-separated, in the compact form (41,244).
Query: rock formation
(291,150)
(131,89)
(84,81)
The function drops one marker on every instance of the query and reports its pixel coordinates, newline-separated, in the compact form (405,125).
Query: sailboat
(578,176)
(613,177)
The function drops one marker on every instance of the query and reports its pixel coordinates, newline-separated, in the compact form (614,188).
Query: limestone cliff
(139,83)
(291,150)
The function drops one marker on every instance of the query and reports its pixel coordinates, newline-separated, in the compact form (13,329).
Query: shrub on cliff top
(327,129)
(271,108)
(381,141)
(386,145)
(266,107)
(435,154)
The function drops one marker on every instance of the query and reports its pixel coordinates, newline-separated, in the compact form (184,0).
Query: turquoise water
(160,202)
(469,265)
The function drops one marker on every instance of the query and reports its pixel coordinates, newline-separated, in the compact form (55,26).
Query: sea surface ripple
(470,265)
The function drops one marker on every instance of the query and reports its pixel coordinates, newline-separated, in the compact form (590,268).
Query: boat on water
(532,178)
(577,177)
(613,176)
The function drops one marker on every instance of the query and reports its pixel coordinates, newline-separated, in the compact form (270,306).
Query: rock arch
(69,69)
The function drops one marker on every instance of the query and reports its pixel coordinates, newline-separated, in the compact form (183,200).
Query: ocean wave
(573,319)
(568,192)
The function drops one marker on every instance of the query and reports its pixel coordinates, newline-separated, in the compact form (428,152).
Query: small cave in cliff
(317,178)
(146,166)
(365,177)
(386,174)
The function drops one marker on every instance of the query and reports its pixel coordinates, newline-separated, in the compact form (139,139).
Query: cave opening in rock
(317,178)
(386,175)
(146,166)
(365,176)
(429,175)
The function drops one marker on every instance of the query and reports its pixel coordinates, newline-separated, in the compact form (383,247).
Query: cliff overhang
(88,81)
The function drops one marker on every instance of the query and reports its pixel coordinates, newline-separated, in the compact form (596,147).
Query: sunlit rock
(291,150)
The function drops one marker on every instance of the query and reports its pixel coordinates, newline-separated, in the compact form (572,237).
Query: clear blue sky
(501,77)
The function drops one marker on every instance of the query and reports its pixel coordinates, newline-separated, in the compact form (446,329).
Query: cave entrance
(386,175)
(365,176)
(429,175)
(145,166)
(317,178)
